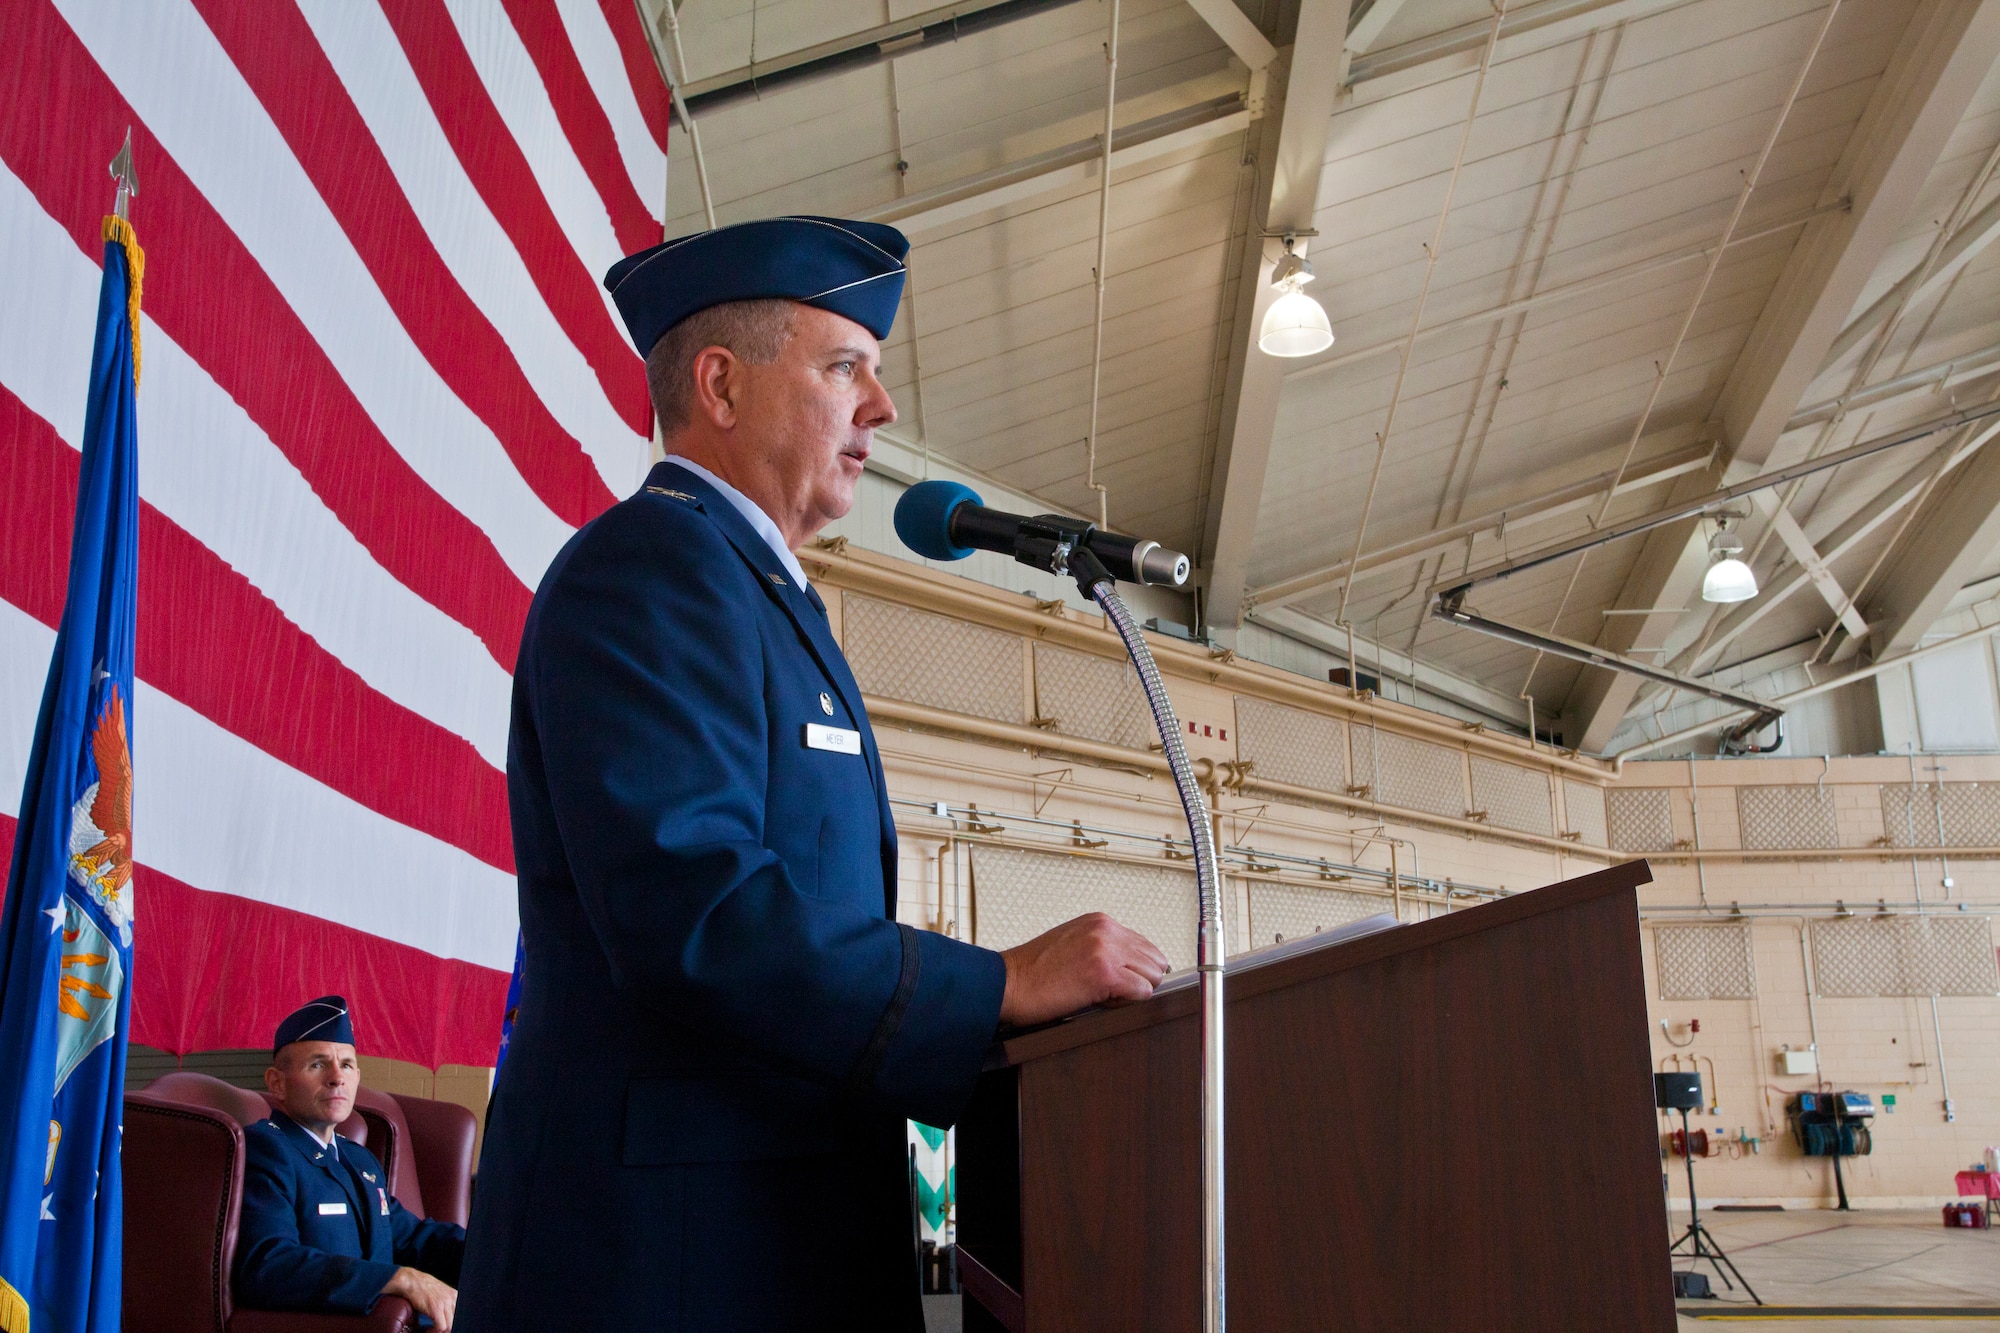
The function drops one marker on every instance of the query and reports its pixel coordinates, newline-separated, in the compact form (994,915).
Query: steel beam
(1500,523)
(1237,32)
(1552,20)
(1369,655)
(1951,537)
(1795,540)
(869,46)
(1061,168)
(1979,231)
(1291,152)
(1368,25)
(1946,51)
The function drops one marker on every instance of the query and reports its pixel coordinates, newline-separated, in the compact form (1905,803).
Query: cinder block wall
(1883,1046)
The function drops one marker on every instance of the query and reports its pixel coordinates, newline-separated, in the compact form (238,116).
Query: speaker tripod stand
(1699,1243)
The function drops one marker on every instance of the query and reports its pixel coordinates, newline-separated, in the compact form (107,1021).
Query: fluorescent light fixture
(1295,324)
(1728,579)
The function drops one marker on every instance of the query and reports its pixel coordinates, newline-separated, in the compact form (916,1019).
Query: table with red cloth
(1981,1185)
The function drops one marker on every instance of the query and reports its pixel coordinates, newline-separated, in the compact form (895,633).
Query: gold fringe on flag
(119,230)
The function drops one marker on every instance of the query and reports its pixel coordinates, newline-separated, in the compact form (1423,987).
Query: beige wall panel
(1019,894)
(1963,814)
(1291,745)
(1705,962)
(1418,775)
(1512,797)
(1583,812)
(1096,698)
(1775,818)
(924,658)
(1904,956)
(1640,819)
(1288,911)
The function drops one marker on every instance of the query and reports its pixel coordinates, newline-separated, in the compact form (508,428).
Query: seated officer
(320,1230)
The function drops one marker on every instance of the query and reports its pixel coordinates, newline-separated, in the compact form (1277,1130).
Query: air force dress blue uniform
(320,1230)
(699,1124)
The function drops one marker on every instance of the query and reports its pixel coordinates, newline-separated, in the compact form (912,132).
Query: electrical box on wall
(1799,1062)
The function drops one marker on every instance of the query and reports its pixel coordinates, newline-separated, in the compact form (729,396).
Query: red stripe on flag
(209,639)
(214,972)
(212,298)
(656,104)
(500,172)
(583,121)
(277,54)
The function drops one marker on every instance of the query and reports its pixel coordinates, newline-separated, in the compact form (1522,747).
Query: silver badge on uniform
(825,704)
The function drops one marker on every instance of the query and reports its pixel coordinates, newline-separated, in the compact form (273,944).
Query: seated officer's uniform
(722,1027)
(320,1230)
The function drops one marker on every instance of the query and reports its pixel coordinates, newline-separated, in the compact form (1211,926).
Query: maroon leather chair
(183,1167)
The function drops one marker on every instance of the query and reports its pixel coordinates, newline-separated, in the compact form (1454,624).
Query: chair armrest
(441,1137)
(392,1314)
(183,1174)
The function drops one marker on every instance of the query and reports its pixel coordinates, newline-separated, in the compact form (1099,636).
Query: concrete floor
(1873,1259)
(942,1314)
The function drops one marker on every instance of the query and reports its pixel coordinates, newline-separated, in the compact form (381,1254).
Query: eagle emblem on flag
(100,838)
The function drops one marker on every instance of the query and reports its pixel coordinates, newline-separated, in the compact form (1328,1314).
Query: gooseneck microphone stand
(1074,560)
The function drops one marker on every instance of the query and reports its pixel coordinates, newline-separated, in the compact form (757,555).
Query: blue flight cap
(851,268)
(324,1019)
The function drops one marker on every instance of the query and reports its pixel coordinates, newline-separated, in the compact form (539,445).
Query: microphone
(942,520)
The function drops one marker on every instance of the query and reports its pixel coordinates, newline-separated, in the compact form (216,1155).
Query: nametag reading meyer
(839,740)
(333,1210)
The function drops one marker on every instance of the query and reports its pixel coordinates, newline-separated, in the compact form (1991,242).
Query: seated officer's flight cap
(324,1019)
(851,268)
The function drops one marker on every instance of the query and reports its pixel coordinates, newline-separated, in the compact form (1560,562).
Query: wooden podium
(1445,1125)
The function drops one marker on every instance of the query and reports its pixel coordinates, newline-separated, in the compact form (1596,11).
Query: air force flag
(66,929)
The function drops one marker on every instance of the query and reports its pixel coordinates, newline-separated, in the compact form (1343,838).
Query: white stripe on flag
(178,78)
(217,813)
(205,465)
(604,66)
(364,52)
(515,85)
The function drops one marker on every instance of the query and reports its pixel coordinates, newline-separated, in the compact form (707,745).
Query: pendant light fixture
(1295,324)
(1728,579)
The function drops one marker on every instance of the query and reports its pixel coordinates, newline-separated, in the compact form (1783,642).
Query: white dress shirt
(753,514)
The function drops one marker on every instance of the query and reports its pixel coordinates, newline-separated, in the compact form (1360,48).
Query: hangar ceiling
(1586,260)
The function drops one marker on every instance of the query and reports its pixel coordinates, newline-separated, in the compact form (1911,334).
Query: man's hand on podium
(1091,960)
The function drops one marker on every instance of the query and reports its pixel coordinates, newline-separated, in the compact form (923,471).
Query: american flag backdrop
(382,386)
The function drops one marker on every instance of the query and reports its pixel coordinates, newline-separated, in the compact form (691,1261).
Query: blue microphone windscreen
(923,518)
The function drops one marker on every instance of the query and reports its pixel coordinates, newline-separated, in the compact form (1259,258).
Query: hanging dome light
(1728,579)
(1295,324)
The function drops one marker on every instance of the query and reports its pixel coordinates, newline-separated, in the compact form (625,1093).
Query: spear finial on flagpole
(127,178)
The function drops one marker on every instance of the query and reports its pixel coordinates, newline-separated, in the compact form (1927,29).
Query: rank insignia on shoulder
(368,1176)
(670,493)
(778,579)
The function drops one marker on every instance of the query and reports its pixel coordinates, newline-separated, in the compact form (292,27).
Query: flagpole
(67,917)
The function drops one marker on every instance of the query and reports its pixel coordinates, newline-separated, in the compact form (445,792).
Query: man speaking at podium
(722,1027)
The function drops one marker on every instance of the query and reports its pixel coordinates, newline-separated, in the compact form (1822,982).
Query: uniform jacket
(721,1026)
(325,1234)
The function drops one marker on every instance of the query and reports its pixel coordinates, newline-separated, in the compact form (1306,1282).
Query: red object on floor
(1965,1215)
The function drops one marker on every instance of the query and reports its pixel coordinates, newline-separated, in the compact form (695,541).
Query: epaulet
(673,494)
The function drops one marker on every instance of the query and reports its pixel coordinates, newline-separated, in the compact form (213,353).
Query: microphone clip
(1052,542)
(1062,547)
